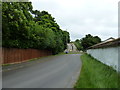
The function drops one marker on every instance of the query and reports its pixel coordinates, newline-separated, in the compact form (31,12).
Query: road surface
(54,72)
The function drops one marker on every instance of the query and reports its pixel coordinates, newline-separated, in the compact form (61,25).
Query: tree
(89,40)
(61,39)
(23,30)
(15,22)
(78,44)
(66,38)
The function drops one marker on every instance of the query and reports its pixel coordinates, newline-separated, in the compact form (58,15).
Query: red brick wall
(14,55)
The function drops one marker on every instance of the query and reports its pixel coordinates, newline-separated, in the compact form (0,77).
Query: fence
(14,55)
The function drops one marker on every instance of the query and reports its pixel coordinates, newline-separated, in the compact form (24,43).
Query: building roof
(109,39)
(106,43)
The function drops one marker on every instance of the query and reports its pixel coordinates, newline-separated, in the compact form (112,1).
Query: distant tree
(78,44)
(66,38)
(89,40)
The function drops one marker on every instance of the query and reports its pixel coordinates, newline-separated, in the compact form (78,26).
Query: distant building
(109,39)
(71,47)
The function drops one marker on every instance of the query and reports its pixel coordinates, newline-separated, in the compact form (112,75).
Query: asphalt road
(55,72)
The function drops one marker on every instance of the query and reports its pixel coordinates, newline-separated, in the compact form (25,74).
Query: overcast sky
(81,17)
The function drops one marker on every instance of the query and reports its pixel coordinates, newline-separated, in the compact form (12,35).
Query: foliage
(86,42)
(95,74)
(24,27)
(78,44)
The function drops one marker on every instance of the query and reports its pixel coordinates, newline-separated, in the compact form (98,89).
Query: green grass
(94,74)
(5,64)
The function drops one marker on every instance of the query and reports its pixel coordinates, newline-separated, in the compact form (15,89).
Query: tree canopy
(24,27)
(87,41)
(78,44)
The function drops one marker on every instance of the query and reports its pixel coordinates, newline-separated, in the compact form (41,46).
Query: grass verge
(94,74)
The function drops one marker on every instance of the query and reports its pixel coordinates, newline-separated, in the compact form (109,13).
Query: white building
(71,47)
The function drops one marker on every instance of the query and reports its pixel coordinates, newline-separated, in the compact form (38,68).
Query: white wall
(108,56)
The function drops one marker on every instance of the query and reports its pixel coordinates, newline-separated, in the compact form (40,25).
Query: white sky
(81,17)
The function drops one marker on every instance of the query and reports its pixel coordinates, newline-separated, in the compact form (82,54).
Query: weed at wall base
(95,74)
